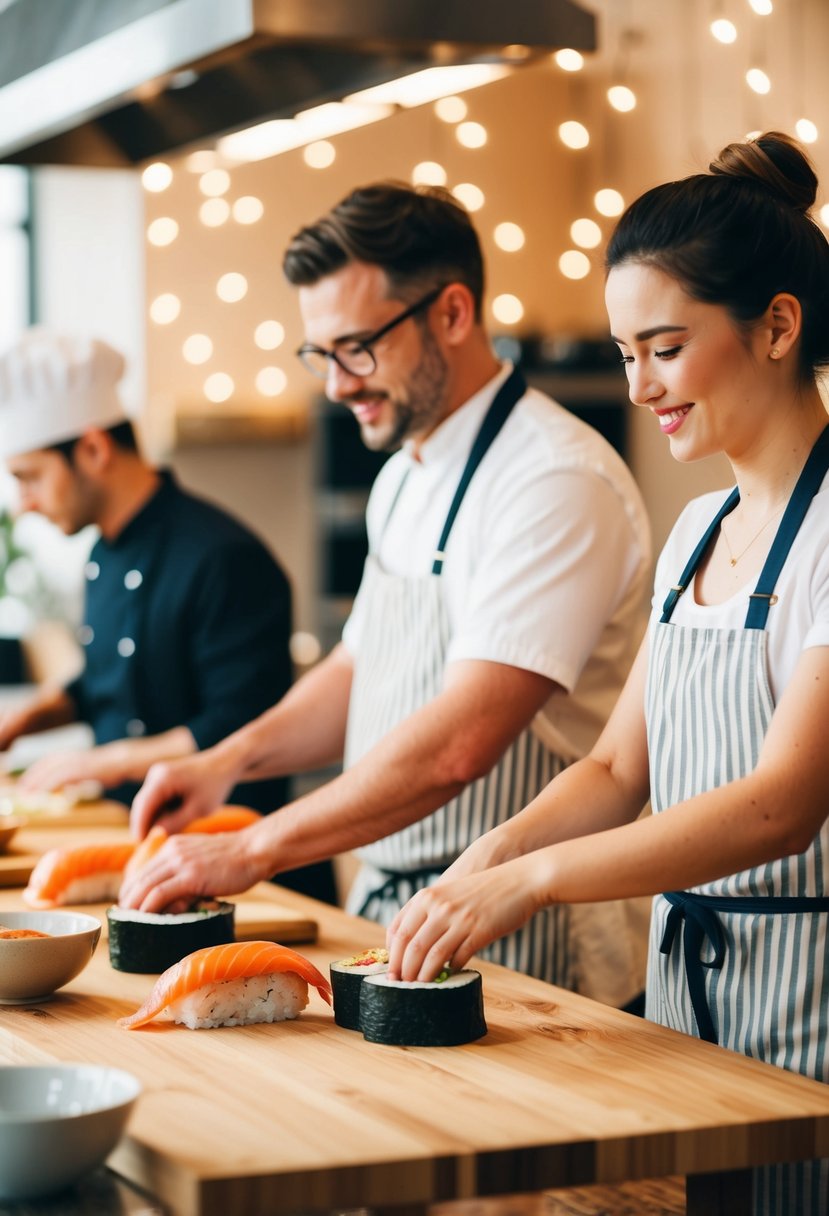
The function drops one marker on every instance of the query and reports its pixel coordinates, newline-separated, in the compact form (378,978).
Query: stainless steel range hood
(116,82)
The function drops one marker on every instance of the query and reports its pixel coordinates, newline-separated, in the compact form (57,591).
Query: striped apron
(741,961)
(399,669)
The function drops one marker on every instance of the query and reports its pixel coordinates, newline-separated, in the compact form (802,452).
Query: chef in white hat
(53,387)
(187,615)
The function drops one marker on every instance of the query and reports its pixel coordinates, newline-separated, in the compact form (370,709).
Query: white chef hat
(53,386)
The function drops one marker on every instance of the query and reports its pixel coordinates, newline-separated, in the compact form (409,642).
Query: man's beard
(423,407)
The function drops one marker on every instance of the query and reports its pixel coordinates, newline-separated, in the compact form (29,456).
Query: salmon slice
(215,964)
(148,847)
(224,819)
(58,877)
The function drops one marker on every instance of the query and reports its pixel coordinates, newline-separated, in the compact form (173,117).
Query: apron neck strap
(696,557)
(511,391)
(762,597)
(808,484)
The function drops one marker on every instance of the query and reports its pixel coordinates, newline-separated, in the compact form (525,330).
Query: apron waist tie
(388,888)
(698,914)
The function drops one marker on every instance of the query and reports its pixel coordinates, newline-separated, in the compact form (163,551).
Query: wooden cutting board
(256,919)
(61,814)
(15,867)
(25,849)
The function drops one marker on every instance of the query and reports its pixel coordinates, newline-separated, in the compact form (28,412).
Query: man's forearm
(131,758)
(51,707)
(306,730)
(418,766)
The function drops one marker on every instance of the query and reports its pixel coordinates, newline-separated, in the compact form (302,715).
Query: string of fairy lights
(314,132)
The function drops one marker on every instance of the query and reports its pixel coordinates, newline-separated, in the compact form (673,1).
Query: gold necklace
(734,559)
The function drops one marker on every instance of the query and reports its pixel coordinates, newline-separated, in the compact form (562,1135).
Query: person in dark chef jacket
(718,296)
(187,617)
(498,613)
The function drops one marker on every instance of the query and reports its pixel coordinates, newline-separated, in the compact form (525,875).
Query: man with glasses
(497,617)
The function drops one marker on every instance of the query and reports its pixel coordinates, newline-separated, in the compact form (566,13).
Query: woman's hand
(192,865)
(449,922)
(484,853)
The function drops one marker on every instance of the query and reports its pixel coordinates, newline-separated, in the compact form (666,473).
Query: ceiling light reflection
(507,309)
(470,196)
(574,134)
(156,177)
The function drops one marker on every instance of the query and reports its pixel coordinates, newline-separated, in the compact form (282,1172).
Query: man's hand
(105,764)
(178,791)
(188,866)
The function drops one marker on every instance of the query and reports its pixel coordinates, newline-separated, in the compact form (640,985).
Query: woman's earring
(774,352)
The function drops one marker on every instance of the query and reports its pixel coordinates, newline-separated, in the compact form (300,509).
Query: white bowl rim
(132,1083)
(20,915)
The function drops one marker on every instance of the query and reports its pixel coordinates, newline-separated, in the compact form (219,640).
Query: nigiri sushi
(84,874)
(233,985)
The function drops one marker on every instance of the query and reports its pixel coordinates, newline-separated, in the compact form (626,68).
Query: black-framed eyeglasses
(354,356)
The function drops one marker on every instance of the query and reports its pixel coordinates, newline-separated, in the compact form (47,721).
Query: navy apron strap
(696,557)
(511,391)
(389,888)
(762,598)
(698,914)
(808,484)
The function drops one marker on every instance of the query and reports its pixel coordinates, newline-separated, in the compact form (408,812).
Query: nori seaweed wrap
(445,1013)
(347,979)
(150,942)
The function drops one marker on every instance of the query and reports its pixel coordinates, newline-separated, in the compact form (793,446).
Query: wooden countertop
(305,1115)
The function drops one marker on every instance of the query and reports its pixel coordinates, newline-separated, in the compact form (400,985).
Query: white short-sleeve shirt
(799,619)
(547,564)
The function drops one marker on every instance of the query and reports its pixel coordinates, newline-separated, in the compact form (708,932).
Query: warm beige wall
(525,173)
(692,100)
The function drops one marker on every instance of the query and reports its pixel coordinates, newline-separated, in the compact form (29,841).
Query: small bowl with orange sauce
(42,951)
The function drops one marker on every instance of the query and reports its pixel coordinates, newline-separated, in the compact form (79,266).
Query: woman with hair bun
(718,297)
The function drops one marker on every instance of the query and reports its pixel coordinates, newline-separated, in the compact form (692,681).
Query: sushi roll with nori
(442,1013)
(346,980)
(150,942)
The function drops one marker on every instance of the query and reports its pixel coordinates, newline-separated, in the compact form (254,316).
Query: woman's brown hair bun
(773,160)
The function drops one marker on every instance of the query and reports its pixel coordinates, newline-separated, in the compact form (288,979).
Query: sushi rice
(258,998)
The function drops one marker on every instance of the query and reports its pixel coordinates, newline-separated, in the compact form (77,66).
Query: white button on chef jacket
(136,727)
(85,634)
(126,647)
(133,579)
(92,570)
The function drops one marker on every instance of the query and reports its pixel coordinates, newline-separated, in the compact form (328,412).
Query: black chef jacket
(187,623)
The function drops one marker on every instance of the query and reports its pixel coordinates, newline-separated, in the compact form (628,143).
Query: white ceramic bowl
(32,968)
(57,1122)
